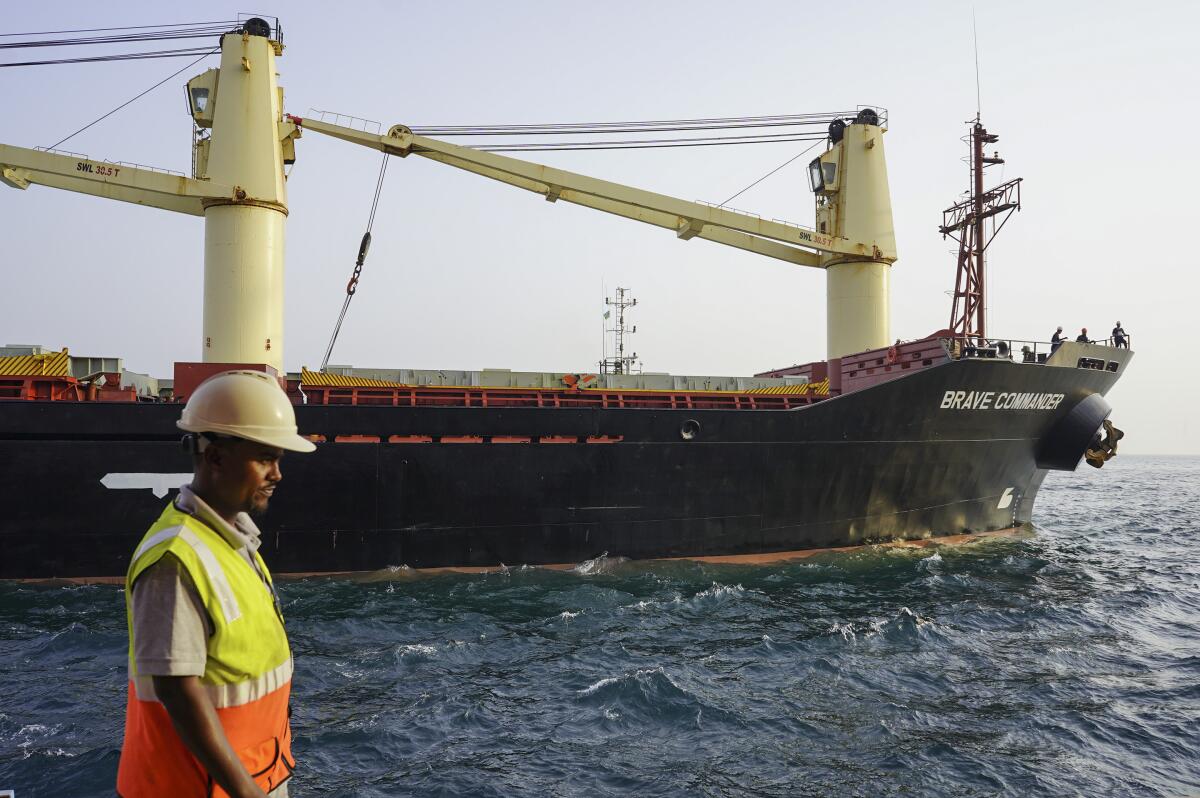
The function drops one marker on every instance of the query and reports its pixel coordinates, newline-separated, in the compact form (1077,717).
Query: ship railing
(960,347)
(85,157)
(149,168)
(880,111)
(722,207)
(963,347)
(346,120)
(272,22)
(68,153)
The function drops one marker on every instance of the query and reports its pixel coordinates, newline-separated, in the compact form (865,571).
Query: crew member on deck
(1083,338)
(1120,338)
(1056,340)
(210,668)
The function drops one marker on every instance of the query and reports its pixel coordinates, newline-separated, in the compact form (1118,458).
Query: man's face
(244,473)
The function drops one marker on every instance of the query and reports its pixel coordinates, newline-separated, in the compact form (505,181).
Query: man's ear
(214,455)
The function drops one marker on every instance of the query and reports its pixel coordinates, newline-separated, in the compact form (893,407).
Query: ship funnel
(853,202)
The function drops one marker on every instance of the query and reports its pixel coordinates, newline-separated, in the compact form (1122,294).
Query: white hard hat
(244,404)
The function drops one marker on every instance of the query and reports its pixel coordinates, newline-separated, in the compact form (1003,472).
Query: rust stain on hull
(730,559)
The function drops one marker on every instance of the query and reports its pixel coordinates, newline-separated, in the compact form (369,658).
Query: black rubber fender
(1063,446)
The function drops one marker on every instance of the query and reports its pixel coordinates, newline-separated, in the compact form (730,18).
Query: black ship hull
(942,451)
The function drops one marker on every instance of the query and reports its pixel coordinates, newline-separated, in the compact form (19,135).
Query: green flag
(606,312)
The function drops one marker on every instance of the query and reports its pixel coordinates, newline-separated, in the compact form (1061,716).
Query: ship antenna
(978,92)
(967,221)
(618,362)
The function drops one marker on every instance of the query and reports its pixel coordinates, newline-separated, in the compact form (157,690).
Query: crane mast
(239,187)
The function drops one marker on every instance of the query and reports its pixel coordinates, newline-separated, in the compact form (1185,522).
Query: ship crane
(239,187)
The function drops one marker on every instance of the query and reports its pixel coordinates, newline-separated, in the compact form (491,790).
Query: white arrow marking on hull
(158,484)
(1005,500)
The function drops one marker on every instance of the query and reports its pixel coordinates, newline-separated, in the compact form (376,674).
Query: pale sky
(1093,101)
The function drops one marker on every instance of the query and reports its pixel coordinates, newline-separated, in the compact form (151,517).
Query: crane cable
(132,99)
(107,36)
(363,246)
(768,174)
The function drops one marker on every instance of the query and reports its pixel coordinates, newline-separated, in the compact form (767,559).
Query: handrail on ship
(961,346)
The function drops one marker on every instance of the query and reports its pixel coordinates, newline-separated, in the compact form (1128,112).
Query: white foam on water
(637,675)
(718,589)
(416,649)
(846,631)
(719,593)
(30,734)
(931,564)
(598,565)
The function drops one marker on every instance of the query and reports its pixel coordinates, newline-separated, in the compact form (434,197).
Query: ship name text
(991,400)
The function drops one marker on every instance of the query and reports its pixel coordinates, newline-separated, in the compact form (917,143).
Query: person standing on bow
(210,667)
(1056,340)
(1120,338)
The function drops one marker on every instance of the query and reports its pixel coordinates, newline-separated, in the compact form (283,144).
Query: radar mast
(965,222)
(619,362)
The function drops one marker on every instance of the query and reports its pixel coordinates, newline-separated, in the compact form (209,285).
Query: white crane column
(244,236)
(857,205)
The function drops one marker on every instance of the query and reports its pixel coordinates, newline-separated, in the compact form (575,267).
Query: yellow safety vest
(247,674)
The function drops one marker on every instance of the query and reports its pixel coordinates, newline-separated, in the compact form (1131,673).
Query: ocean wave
(599,565)
(904,626)
(1067,663)
(409,652)
(640,677)
(718,594)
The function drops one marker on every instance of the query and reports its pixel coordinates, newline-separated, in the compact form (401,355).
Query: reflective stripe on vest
(228,695)
(247,673)
(216,575)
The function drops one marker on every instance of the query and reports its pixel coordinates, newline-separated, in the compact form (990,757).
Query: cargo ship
(882,440)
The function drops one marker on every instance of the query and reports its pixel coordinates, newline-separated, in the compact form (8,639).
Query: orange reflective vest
(248,673)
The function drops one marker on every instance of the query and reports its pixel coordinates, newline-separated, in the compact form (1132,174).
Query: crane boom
(239,187)
(779,240)
(21,167)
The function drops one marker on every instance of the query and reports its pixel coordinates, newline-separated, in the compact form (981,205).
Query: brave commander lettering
(990,400)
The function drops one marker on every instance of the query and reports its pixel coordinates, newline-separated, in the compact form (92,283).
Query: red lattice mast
(966,224)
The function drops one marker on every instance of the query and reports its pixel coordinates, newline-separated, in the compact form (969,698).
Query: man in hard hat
(210,668)
(1083,337)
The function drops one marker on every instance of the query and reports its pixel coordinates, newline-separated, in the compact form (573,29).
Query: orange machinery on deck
(48,377)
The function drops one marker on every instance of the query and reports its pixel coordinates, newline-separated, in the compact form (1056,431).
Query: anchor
(1103,449)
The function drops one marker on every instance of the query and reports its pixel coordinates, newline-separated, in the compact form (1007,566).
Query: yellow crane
(239,187)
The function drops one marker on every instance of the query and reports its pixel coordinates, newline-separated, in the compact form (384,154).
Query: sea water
(1062,663)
